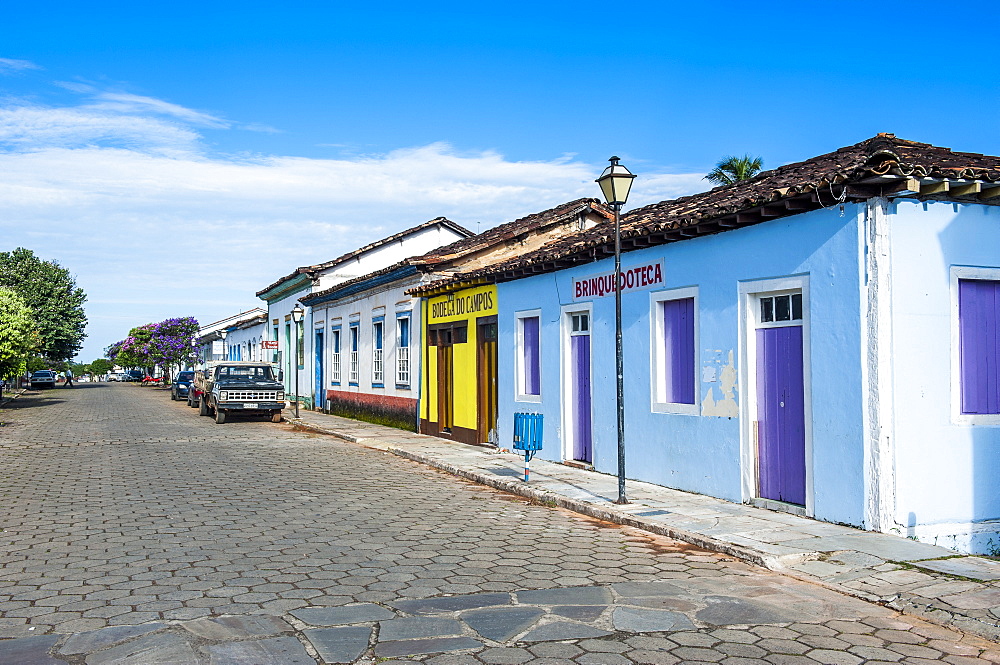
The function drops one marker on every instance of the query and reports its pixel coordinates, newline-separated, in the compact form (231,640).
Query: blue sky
(171,135)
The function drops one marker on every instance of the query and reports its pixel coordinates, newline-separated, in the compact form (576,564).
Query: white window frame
(335,352)
(378,355)
(657,356)
(519,394)
(565,376)
(354,377)
(959,418)
(750,291)
(403,365)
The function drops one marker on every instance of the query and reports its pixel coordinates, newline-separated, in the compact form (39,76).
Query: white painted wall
(947,470)
(414,244)
(390,302)
(247,340)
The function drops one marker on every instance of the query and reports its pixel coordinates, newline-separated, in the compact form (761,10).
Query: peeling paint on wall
(712,372)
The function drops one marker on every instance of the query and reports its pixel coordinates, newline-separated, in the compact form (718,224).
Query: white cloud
(28,128)
(119,192)
(12,65)
(120,102)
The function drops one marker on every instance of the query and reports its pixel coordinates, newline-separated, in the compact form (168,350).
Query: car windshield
(42,372)
(262,373)
(185,376)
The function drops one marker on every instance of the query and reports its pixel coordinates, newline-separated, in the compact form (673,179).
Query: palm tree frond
(731,169)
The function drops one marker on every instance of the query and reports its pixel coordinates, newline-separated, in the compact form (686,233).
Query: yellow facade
(457,336)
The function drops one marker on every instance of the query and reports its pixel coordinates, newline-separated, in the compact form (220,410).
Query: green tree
(18,337)
(101,366)
(52,294)
(733,169)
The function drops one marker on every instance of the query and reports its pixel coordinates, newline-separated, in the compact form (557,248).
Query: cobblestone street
(136,532)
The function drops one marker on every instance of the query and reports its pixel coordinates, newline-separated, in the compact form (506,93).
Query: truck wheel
(276,417)
(202,406)
(220,416)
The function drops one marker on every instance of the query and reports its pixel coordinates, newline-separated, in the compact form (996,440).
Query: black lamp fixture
(615,182)
(298,312)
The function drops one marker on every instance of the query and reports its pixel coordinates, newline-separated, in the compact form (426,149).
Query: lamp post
(194,352)
(297,313)
(223,333)
(615,183)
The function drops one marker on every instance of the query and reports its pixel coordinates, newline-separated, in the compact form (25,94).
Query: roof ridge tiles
(837,170)
(461,230)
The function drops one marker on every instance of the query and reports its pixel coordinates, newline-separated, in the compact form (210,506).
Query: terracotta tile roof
(880,166)
(538,229)
(508,231)
(319,267)
(348,284)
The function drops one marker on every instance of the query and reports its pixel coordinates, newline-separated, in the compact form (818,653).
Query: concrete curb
(300,424)
(12,395)
(743,553)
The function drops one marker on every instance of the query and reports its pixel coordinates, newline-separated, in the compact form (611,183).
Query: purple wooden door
(580,352)
(781,426)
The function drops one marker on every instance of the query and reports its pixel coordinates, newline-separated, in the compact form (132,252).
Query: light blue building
(822,339)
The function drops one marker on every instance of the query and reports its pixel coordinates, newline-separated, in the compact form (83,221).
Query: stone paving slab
(96,640)
(558,631)
(642,620)
(977,568)
(502,623)
(153,649)
(283,650)
(418,627)
(343,644)
(417,647)
(29,650)
(335,616)
(452,603)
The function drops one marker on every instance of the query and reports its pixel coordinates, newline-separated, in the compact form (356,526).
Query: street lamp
(223,333)
(297,313)
(615,182)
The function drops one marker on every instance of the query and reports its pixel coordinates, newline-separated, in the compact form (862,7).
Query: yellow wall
(465,305)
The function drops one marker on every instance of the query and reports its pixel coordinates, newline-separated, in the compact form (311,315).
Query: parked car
(239,387)
(43,378)
(181,385)
(134,375)
(116,376)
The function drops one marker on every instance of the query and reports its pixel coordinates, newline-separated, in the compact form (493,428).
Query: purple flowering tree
(162,344)
(170,342)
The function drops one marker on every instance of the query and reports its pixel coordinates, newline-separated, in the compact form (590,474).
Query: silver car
(43,378)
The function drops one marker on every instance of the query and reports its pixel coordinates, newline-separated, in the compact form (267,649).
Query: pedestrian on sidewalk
(69,379)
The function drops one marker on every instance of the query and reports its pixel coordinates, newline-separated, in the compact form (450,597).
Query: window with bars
(335,356)
(378,368)
(354,356)
(403,350)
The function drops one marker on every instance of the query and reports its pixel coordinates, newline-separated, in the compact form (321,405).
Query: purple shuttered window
(678,350)
(530,358)
(979,343)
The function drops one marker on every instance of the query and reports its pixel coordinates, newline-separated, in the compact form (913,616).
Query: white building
(242,340)
(282,295)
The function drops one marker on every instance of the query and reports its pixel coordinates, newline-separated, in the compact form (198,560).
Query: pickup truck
(237,387)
